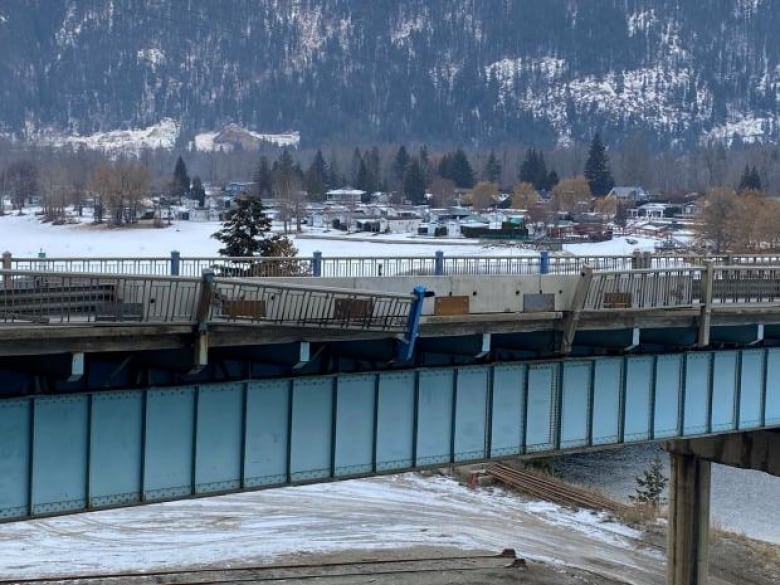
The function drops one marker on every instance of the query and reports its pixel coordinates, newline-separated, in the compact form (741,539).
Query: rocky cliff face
(448,71)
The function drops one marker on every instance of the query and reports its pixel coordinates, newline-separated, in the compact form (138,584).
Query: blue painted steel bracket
(406,344)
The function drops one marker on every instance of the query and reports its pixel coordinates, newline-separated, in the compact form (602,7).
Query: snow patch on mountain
(641,22)
(234,136)
(649,94)
(152,56)
(749,129)
(129,141)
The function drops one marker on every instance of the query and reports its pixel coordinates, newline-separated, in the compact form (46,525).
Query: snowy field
(394,512)
(24,236)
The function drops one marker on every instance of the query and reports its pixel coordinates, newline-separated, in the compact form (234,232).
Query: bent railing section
(683,287)
(33,297)
(258,301)
(79,298)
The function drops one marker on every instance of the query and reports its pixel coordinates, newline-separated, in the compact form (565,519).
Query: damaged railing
(77,298)
(256,301)
(683,287)
(35,297)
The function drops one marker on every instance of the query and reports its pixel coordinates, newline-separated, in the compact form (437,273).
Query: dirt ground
(734,561)
(393,530)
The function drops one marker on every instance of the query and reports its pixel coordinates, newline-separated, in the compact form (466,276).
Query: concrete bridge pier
(689,520)
(689,493)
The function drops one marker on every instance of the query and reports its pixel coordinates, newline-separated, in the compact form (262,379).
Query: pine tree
(400,163)
(750,180)
(180,186)
(492,170)
(263,178)
(414,183)
(460,170)
(244,229)
(597,169)
(198,192)
(651,485)
(316,177)
(534,170)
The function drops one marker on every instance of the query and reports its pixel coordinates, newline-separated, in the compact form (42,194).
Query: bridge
(121,389)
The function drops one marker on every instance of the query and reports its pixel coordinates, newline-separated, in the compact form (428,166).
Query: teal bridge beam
(75,452)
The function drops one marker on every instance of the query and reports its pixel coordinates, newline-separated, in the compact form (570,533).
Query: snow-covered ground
(394,512)
(24,236)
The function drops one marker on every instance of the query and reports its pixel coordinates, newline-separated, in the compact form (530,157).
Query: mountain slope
(460,71)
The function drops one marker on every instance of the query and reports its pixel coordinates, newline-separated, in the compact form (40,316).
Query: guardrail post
(577,305)
(175,262)
(202,313)
(544,262)
(438,263)
(636,260)
(7,266)
(316,263)
(406,345)
(705,317)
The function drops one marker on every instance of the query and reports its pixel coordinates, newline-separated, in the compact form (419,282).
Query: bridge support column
(687,556)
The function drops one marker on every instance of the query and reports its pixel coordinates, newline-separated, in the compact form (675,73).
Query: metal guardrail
(355,267)
(28,296)
(246,267)
(136,266)
(310,306)
(35,297)
(683,287)
(641,289)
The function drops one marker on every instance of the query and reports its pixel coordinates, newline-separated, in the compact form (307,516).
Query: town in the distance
(714,199)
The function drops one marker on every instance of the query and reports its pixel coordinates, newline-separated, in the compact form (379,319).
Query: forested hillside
(471,72)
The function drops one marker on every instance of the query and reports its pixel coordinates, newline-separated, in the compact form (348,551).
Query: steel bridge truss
(77,452)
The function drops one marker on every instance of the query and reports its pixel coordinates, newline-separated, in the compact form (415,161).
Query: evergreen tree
(534,170)
(460,170)
(400,163)
(263,178)
(651,485)
(316,178)
(198,192)
(492,170)
(425,164)
(335,178)
(750,180)
(357,163)
(414,183)
(244,229)
(180,186)
(597,169)
(552,179)
(373,171)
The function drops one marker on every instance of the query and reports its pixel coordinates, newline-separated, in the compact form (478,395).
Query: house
(629,194)
(345,196)
(235,188)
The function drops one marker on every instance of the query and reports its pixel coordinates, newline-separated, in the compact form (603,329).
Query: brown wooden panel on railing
(457,305)
(353,309)
(243,308)
(617,300)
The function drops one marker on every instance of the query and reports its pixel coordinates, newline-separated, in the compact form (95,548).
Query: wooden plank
(353,309)
(455,305)
(617,300)
(243,309)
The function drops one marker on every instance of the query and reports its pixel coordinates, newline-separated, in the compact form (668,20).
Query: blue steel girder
(68,453)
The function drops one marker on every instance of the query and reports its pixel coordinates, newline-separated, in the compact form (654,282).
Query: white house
(345,196)
(632,194)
